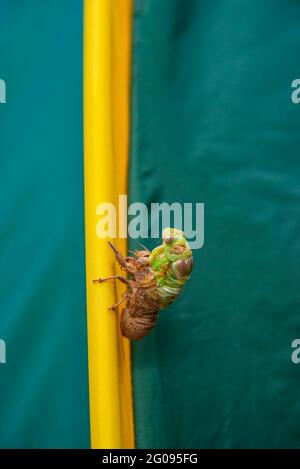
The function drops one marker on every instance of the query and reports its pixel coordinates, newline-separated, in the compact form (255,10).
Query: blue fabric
(44,384)
(213,122)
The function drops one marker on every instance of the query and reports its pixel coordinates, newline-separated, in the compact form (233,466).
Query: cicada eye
(168,239)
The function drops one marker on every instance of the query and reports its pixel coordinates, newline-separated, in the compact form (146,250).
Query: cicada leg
(124,298)
(126,264)
(112,277)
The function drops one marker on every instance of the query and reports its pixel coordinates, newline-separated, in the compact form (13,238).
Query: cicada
(156,279)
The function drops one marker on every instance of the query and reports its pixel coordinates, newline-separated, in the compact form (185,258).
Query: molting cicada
(157,278)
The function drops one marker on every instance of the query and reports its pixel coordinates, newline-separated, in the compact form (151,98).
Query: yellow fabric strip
(121,66)
(106,117)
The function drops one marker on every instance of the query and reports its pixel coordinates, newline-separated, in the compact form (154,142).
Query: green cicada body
(172,264)
(158,278)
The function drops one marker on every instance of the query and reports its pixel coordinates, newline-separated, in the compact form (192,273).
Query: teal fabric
(213,122)
(44,384)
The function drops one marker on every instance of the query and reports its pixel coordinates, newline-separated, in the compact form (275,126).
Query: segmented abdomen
(141,313)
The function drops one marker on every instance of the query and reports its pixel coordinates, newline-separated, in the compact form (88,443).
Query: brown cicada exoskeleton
(141,312)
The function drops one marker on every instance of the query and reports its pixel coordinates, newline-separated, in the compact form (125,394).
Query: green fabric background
(44,385)
(213,122)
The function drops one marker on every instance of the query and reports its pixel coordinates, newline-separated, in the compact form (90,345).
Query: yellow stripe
(121,62)
(109,357)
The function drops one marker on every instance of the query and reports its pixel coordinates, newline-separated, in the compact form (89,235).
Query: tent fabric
(213,122)
(44,384)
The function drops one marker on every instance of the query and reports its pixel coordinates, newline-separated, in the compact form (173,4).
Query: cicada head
(142,259)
